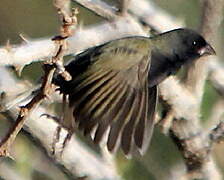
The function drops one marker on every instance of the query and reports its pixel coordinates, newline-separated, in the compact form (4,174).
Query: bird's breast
(161,67)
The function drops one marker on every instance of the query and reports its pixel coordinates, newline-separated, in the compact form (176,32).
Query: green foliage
(210,97)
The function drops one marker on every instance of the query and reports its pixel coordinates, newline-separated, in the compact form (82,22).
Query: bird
(114,86)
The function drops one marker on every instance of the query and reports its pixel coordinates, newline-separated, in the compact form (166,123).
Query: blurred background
(38,19)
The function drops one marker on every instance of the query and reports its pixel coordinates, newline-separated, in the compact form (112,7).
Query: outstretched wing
(110,89)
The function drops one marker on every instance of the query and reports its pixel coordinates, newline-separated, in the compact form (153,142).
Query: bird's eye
(194,43)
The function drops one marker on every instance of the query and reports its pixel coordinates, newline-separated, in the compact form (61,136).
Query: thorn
(19,69)
(49,116)
(24,37)
(8,46)
(4,151)
(56,138)
(66,141)
(10,157)
(23,111)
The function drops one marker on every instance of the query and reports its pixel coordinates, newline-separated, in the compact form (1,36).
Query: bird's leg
(70,125)
(62,124)
(58,129)
(56,139)
(56,136)
(66,140)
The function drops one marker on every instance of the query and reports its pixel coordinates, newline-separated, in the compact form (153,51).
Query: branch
(95,168)
(75,155)
(46,88)
(153,16)
(192,142)
(31,50)
(44,129)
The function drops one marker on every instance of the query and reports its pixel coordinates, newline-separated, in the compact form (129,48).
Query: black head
(187,44)
(173,49)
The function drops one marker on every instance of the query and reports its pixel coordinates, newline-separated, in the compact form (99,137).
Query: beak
(206,50)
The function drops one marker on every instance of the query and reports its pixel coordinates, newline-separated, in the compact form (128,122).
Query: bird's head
(186,44)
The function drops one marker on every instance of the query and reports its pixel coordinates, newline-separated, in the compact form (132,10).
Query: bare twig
(46,87)
(77,158)
(24,113)
(32,50)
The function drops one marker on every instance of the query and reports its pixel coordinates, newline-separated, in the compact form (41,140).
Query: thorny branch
(68,22)
(32,50)
(43,129)
(24,113)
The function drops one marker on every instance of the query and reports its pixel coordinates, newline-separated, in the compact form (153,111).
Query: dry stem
(68,22)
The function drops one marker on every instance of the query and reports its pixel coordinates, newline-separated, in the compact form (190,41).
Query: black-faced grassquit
(114,85)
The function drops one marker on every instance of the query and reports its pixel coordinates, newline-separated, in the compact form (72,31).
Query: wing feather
(113,106)
(145,126)
(108,108)
(140,127)
(119,121)
(127,137)
(113,92)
